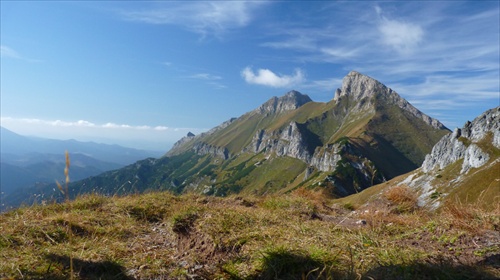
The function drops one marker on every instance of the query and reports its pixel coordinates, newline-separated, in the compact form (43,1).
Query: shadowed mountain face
(365,135)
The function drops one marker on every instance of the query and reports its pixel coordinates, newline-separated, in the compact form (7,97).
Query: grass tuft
(403,198)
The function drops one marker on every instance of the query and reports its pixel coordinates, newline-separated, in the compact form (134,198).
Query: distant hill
(365,135)
(14,148)
(28,162)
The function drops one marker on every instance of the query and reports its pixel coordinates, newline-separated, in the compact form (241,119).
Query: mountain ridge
(365,135)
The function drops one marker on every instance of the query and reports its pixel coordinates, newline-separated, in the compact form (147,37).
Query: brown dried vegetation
(301,235)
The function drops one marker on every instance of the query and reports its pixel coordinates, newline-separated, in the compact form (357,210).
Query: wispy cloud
(206,76)
(328,85)
(475,88)
(80,124)
(267,77)
(8,52)
(301,42)
(402,36)
(203,17)
(211,80)
(140,136)
(341,53)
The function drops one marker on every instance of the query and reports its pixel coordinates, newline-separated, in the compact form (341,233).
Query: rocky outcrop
(458,160)
(325,159)
(463,143)
(202,148)
(290,141)
(362,89)
(296,141)
(290,101)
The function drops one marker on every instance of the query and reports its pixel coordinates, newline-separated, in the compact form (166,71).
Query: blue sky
(143,74)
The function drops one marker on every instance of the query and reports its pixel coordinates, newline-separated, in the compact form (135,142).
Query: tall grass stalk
(65,192)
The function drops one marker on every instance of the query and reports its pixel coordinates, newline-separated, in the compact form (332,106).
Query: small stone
(361,222)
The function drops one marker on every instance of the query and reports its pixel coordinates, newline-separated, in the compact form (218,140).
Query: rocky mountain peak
(358,87)
(290,101)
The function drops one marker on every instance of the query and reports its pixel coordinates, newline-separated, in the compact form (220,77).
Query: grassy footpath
(296,236)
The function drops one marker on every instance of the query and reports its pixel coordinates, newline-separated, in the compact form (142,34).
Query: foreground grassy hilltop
(301,235)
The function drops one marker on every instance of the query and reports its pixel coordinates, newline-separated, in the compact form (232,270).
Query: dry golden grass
(295,236)
(402,197)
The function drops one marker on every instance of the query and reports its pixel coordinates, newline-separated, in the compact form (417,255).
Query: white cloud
(266,77)
(401,36)
(201,17)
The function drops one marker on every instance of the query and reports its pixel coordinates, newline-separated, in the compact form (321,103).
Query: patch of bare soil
(198,254)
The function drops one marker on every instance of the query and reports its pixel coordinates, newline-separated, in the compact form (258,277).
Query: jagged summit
(367,93)
(290,101)
(357,85)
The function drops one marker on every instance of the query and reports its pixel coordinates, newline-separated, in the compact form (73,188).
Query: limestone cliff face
(286,142)
(464,143)
(202,148)
(326,158)
(296,141)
